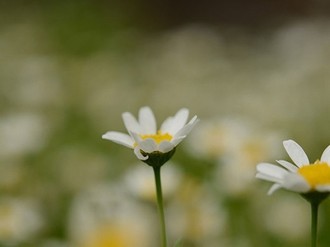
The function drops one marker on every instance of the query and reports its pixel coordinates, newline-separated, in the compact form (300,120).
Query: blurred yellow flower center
(159,137)
(111,236)
(316,174)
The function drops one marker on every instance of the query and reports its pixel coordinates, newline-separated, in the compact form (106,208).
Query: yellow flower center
(316,174)
(159,137)
(111,236)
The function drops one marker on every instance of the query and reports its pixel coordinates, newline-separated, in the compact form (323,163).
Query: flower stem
(314,198)
(160,204)
(314,213)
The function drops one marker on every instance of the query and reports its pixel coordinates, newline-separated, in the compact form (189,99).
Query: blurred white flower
(302,176)
(236,172)
(22,133)
(143,135)
(236,144)
(287,218)
(195,214)
(141,183)
(215,138)
(103,216)
(302,46)
(20,219)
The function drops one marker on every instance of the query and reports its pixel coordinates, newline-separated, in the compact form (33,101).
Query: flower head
(301,176)
(151,145)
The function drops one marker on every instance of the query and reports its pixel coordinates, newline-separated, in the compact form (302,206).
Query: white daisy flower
(144,137)
(302,176)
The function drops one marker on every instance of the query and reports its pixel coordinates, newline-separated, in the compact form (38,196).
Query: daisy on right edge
(302,176)
(310,180)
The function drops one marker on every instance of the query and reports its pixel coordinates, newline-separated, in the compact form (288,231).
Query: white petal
(139,155)
(296,183)
(148,145)
(165,146)
(323,188)
(271,170)
(326,155)
(268,178)
(274,188)
(187,128)
(167,125)
(175,141)
(120,138)
(135,136)
(296,153)
(131,123)
(179,120)
(147,120)
(287,165)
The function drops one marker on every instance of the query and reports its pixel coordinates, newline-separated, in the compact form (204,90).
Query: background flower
(104,216)
(140,181)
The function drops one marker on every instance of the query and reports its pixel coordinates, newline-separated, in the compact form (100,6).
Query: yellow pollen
(316,174)
(159,137)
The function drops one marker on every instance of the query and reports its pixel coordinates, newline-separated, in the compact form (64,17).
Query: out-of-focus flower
(302,176)
(236,144)
(195,214)
(22,133)
(147,142)
(236,170)
(103,216)
(215,138)
(141,183)
(286,218)
(20,220)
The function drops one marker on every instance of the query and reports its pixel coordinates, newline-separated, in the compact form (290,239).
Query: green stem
(160,204)
(314,213)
